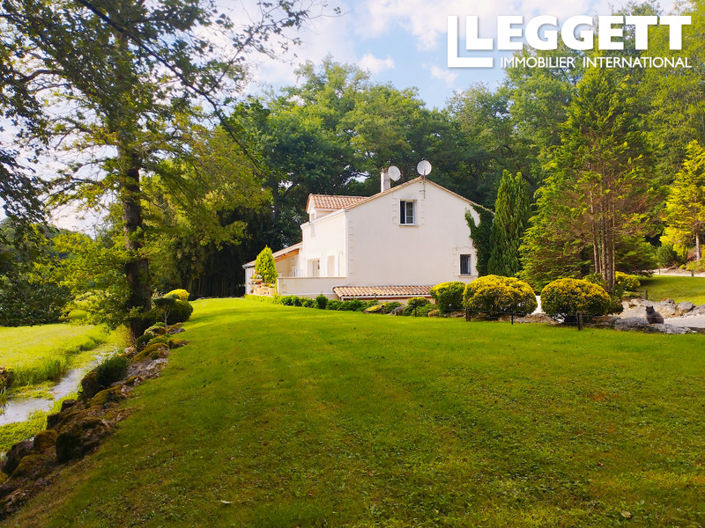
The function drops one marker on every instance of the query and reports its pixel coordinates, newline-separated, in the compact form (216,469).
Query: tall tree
(511,216)
(685,207)
(130,68)
(601,174)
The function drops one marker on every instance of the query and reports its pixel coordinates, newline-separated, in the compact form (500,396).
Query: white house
(393,245)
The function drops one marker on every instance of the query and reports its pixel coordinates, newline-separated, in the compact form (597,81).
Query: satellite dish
(423,168)
(394,173)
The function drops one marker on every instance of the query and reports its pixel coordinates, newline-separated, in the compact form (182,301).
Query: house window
(465,268)
(407,212)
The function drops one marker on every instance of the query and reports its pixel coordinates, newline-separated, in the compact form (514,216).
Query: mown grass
(281,417)
(660,287)
(40,353)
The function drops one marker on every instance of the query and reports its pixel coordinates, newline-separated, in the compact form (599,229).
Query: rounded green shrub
(321,302)
(448,296)
(308,303)
(566,297)
(493,295)
(265,266)
(179,312)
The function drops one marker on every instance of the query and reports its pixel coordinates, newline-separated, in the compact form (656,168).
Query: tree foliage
(510,221)
(685,207)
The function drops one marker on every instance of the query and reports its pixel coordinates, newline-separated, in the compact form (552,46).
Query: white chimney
(385,182)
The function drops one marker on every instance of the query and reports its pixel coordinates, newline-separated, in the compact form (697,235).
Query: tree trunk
(136,267)
(698,254)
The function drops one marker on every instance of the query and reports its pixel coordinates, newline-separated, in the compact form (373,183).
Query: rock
(153,351)
(684,307)
(80,437)
(642,325)
(44,440)
(146,369)
(90,385)
(111,395)
(15,454)
(632,323)
(67,404)
(397,311)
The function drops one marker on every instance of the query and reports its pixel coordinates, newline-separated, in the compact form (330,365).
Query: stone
(80,437)
(684,307)
(44,440)
(153,351)
(108,396)
(642,325)
(15,454)
(90,385)
(397,311)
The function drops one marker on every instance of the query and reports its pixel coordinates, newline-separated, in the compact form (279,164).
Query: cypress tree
(510,222)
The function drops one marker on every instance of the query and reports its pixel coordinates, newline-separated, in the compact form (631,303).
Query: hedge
(493,295)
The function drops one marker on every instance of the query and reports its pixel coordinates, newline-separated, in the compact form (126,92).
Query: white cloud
(444,74)
(374,64)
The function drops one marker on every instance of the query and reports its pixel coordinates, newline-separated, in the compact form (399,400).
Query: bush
(333,304)
(180,312)
(308,303)
(566,297)
(179,294)
(111,370)
(321,302)
(448,296)
(626,282)
(353,305)
(287,300)
(494,295)
(389,306)
(415,306)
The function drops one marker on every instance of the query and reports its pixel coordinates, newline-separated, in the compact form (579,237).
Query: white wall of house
(384,252)
(324,247)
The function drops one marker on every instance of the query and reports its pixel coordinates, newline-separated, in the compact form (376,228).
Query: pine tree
(685,208)
(510,222)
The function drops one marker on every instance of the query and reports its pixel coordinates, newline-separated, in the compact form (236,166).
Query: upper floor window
(465,268)
(407,213)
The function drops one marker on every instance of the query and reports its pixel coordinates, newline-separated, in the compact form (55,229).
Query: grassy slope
(299,417)
(679,289)
(39,353)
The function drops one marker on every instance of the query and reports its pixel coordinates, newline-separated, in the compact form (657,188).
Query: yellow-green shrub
(627,282)
(567,297)
(494,295)
(448,296)
(179,294)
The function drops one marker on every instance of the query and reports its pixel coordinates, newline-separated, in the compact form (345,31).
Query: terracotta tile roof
(378,292)
(329,201)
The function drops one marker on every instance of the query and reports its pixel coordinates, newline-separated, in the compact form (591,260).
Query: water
(20,409)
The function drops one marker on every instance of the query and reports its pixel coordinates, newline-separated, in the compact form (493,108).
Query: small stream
(20,409)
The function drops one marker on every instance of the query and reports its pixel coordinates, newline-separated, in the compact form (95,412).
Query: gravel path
(691,321)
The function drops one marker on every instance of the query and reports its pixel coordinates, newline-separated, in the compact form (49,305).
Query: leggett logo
(542,32)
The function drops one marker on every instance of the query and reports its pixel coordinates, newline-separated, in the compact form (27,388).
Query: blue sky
(404,41)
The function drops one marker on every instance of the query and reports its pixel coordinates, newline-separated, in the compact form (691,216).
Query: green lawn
(282,417)
(679,289)
(40,353)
